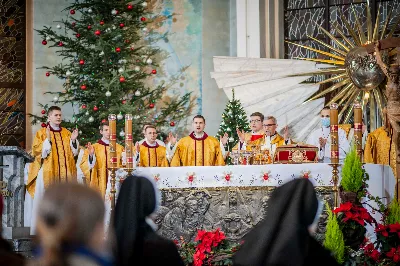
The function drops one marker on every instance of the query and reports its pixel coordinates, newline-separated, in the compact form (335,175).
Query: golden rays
(353,75)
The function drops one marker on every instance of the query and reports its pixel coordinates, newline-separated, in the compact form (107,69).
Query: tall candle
(112,122)
(128,141)
(358,128)
(334,133)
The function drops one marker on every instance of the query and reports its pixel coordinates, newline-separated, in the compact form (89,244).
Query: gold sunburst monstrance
(354,73)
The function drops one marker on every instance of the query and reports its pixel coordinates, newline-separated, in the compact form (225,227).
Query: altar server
(321,138)
(137,242)
(284,236)
(54,148)
(255,136)
(150,153)
(198,149)
(95,159)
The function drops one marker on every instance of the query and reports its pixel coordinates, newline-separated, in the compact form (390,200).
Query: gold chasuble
(152,156)
(98,175)
(192,151)
(378,149)
(58,166)
(250,139)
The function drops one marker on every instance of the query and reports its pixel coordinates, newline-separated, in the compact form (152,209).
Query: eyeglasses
(269,125)
(255,121)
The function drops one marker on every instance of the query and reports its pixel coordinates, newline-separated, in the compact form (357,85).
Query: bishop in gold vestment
(198,151)
(152,155)
(379,149)
(96,170)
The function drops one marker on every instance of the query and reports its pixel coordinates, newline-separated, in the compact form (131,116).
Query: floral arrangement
(209,248)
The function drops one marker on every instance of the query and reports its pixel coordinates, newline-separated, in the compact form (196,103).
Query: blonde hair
(68,215)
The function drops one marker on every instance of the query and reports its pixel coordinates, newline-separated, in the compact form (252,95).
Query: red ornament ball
(43,112)
(151,105)
(123,101)
(172,124)
(127,41)
(97,32)
(89,27)
(101,23)
(103,121)
(44,125)
(81,62)
(83,87)
(83,106)
(143,19)
(77,35)
(154,71)
(118,49)
(129,7)
(44,42)
(47,74)
(60,44)
(95,108)
(72,12)
(121,79)
(73,24)
(121,25)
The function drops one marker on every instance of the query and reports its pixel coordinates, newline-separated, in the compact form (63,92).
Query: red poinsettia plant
(209,248)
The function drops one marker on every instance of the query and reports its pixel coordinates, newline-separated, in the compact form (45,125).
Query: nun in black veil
(137,243)
(283,238)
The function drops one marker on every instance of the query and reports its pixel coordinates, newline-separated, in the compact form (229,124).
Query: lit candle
(334,133)
(128,141)
(358,128)
(112,122)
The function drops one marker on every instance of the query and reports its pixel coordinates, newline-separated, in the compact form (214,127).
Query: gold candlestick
(128,143)
(334,133)
(112,122)
(358,128)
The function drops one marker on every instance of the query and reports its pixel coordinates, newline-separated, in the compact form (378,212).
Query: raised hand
(74,134)
(48,133)
(224,139)
(172,139)
(137,146)
(322,142)
(240,135)
(286,133)
(90,149)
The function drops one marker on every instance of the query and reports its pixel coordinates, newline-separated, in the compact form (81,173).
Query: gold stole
(192,151)
(97,177)
(58,166)
(152,156)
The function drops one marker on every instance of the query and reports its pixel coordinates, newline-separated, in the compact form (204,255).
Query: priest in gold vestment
(198,149)
(149,153)
(94,164)
(380,148)
(54,148)
(255,136)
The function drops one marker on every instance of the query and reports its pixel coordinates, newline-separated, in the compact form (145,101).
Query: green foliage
(393,215)
(352,172)
(233,117)
(117,54)
(334,240)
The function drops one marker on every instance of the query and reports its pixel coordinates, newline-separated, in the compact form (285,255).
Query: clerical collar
(104,142)
(148,145)
(271,136)
(197,137)
(53,127)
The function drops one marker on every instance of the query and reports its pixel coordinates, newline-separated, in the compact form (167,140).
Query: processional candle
(334,133)
(358,128)
(112,122)
(128,141)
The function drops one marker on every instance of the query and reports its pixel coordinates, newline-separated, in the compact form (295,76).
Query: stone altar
(12,187)
(235,198)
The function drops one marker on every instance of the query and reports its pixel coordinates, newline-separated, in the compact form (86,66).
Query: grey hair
(271,118)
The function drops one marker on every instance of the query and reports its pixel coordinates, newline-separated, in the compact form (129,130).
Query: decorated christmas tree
(111,64)
(233,117)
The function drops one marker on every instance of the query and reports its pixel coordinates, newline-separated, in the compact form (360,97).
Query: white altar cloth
(381,183)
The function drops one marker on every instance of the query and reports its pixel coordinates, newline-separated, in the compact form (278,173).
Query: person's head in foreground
(70,226)
(284,236)
(137,243)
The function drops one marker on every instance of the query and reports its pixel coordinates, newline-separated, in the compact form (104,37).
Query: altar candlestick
(128,142)
(112,122)
(358,128)
(334,133)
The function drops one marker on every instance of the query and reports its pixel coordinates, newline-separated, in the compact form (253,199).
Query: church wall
(217,22)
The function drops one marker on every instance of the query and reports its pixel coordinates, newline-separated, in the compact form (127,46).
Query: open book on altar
(296,153)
